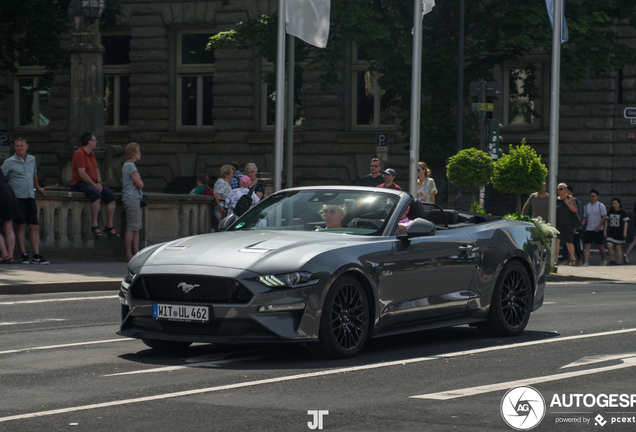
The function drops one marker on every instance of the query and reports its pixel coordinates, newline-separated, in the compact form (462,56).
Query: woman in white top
(131,197)
(426,189)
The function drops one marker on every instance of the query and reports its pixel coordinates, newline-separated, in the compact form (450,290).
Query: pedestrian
(373,179)
(594,215)
(236,175)
(202,184)
(87,179)
(633,243)
(21,174)
(389,177)
(9,211)
(237,193)
(250,170)
(564,221)
(426,189)
(131,196)
(616,230)
(222,191)
(538,202)
(578,250)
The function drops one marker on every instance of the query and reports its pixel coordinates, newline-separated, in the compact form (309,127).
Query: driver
(333,215)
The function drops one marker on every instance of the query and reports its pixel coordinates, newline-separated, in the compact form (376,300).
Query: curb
(60,287)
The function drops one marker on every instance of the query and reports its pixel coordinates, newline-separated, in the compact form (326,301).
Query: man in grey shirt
(22,176)
(538,202)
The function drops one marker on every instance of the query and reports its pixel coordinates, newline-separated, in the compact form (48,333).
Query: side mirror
(419,228)
(227,222)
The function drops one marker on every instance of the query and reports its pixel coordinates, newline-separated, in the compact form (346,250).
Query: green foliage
(496,32)
(29,32)
(519,172)
(542,230)
(470,168)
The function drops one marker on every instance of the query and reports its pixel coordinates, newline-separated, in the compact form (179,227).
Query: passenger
(404,222)
(333,215)
(250,170)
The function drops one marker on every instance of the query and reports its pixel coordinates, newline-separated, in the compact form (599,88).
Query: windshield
(336,211)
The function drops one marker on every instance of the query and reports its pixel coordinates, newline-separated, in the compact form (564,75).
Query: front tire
(344,324)
(164,345)
(511,303)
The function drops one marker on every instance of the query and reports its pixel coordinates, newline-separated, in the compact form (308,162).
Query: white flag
(427,6)
(309,20)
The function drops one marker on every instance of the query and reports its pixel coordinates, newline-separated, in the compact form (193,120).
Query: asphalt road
(63,368)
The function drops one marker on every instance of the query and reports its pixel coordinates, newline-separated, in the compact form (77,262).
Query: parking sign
(382,146)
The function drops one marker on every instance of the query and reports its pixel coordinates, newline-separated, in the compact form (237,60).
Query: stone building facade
(192,112)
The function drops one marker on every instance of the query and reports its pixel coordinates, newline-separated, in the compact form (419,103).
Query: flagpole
(280,98)
(554,117)
(416,93)
(291,65)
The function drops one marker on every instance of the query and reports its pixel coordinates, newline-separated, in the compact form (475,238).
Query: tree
(470,168)
(30,31)
(520,172)
(496,32)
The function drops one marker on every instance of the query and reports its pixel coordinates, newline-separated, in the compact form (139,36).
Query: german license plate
(181,312)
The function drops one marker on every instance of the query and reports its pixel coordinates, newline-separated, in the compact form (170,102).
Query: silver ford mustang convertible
(331,267)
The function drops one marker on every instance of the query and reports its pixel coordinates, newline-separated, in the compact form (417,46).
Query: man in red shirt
(389,176)
(86,179)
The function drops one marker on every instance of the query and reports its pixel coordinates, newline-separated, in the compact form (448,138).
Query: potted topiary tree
(520,172)
(470,168)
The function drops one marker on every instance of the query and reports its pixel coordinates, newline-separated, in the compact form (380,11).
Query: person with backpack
(242,198)
(594,215)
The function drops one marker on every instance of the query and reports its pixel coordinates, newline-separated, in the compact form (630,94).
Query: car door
(431,275)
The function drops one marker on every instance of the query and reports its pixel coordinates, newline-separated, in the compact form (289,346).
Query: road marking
(305,375)
(58,300)
(31,322)
(66,345)
(597,359)
(472,391)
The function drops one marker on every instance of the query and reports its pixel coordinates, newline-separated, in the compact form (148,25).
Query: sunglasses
(332,211)
(375,166)
(560,188)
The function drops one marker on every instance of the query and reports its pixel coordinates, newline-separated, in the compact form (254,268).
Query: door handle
(465,248)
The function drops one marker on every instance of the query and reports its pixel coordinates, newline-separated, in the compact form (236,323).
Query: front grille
(210,289)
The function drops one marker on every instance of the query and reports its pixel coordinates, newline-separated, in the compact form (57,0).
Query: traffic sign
(484,106)
(630,113)
(382,146)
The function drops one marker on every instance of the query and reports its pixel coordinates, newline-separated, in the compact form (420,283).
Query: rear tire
(344,324)
(511,303)
(164,345)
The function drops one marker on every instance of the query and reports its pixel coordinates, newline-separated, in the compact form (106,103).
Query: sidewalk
(622,273)
(61,277)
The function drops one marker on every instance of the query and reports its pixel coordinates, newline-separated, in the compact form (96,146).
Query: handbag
(575,220)
(142,200)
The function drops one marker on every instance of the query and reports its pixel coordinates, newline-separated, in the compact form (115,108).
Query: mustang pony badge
(186,287)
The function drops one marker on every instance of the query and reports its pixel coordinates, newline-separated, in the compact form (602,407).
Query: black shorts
(594,237)
(29,212)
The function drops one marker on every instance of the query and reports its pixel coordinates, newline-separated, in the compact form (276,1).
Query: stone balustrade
(65,223)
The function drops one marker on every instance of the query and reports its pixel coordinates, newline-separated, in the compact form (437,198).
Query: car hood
(257,251)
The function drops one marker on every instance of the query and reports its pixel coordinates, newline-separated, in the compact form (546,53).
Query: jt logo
(317,422)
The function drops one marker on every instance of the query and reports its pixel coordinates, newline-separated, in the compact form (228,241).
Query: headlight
(292,280)
(129,277)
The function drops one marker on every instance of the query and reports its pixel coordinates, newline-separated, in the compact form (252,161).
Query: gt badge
(186,287)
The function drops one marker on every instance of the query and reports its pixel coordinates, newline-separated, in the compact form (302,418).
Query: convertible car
(330,267)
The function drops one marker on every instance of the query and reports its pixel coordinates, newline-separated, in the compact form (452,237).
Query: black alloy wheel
(511,302)
(344,324)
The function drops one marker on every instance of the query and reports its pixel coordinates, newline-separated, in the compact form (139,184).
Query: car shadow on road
(408,346)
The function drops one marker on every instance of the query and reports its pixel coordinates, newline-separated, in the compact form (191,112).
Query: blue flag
(549,4)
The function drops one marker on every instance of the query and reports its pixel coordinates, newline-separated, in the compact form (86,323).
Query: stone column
(86,105)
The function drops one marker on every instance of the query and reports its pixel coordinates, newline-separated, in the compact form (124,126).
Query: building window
(522,104)
(116,72)
(195,78)
(31,102)
(268,97)
(371,104)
